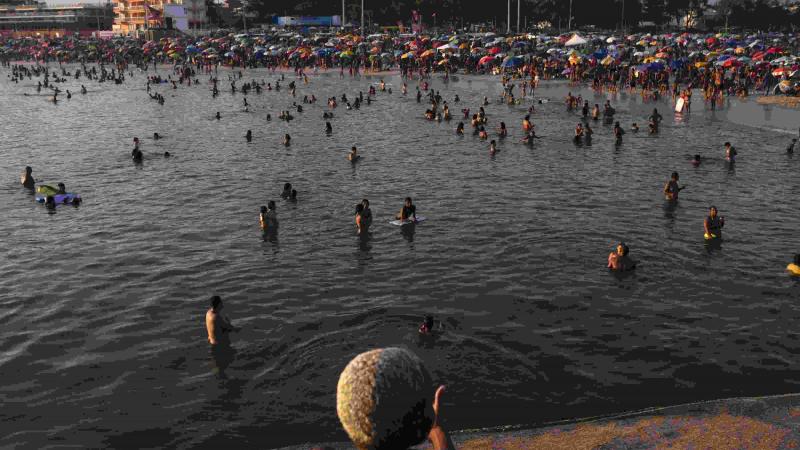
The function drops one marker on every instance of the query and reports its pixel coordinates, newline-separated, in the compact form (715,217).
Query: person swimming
(482,133)
(293,196)
(167,155)
(287,191)
(619,261)
(217,116)
(790,148)
(671,188)
(287,140)
(526,124)
(492,147)
(156,136)
(596,112)
(50,202)
(328,128)
(635,127)
(27,179)
(460,128)
(696,160)
(429,327)
(62,189)
(249,135)
(502,132)
(408,211)
(713,224)
(353,155)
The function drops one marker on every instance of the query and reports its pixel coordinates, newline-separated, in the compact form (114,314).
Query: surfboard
(679,105)
(407,221)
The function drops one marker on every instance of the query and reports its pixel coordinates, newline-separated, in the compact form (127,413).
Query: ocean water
(102,340)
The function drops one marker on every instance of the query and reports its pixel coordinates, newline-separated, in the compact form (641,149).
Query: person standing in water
(713,224)
(671,189)
(366,214)
(27,179)
(217,325)
(618,132)
(268,219)
(408,211)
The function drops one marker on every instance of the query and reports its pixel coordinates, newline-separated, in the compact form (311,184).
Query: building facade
(133,16)
(39,19)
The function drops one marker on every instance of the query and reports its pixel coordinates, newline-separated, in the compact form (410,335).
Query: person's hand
(438,437)
(436,404)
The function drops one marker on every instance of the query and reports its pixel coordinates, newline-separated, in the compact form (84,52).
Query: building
(196,13)
(133,16)
(38,19)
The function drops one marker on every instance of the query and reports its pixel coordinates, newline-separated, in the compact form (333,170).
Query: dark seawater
(102,341)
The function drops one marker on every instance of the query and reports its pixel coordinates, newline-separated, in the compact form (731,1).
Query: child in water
(429,327)
(619,261)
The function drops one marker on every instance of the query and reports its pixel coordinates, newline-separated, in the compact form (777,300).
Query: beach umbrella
(486,60)
(575,40)
(426,53)
(611,40)
(409,55)
(779,72)
(607,61)
(512,61)
(494,50)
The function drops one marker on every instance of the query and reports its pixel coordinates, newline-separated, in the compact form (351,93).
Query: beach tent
(575,40)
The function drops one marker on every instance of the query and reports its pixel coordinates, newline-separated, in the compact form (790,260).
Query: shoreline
(741,422)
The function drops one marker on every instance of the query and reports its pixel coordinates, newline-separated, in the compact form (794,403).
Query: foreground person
(217,325)
(619,261)
(381,402)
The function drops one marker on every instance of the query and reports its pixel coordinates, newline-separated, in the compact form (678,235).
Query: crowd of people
(406,414)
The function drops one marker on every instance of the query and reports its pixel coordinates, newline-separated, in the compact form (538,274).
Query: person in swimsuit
(696,160)
(713,224)
(671,189)
(790,148)
(408,211)
(27,179)
(249,135)
(619,261)
(217,325)
(492,147)
(460,128)
(287,140)
(328,128)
